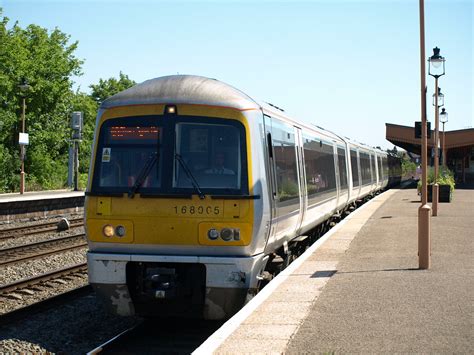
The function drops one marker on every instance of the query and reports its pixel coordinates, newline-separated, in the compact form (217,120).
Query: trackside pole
(424,229)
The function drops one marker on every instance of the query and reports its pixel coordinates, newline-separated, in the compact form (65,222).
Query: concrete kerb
(218,337)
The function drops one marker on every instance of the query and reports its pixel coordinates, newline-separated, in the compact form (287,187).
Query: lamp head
(436,64)
(440,98)
(443,116)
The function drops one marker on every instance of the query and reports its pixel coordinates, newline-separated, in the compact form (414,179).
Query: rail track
(77,270)
(37,250)
(160,336)
(15,232)
(57,300)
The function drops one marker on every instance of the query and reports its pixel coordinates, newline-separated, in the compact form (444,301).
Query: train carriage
(195,190)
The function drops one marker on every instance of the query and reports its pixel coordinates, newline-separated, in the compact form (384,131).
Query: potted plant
(445,181)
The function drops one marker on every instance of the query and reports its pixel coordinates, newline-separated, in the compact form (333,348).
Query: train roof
(176,89)
(199,90)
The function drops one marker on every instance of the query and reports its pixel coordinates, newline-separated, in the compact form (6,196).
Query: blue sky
(348,66)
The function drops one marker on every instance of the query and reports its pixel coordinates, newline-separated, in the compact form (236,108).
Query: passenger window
(320,169)
(354,168)
(379,160)
(365,168)
(283,140)
(341,153)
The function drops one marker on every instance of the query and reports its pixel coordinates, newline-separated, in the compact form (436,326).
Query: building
(459,147)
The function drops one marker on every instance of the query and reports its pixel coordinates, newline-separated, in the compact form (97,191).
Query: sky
(347,66)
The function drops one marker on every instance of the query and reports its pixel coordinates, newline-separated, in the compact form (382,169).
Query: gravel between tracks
(38,220)
(36,267)
(73,328)
(15,242)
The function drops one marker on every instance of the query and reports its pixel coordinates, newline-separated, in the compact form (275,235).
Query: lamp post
(443,117)
(23,137)
(424,228)
(436,69)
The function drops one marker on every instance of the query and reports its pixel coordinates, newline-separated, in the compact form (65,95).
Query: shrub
(445,177)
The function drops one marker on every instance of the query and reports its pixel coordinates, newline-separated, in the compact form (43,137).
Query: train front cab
(182,243)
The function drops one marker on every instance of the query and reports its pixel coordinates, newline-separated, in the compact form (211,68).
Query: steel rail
(34,280)
(13,255)
(36,229)
(19,248)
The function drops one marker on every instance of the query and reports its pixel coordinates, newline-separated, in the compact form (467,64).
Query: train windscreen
(182,155)
(209,153)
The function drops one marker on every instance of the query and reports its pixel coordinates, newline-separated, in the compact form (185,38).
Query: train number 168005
(197,210)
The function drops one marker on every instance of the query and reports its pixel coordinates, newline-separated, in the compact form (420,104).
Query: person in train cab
(219,166)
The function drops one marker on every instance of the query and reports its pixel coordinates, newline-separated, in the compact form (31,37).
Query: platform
(359,289)
(39,204)
(39,195)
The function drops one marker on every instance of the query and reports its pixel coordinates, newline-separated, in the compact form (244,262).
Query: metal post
(76,165)
(444,151)
(424,229)
(22,148)
(435,194)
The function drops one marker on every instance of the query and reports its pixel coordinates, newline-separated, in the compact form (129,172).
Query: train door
(301,177)
(271,182)
(286,179)
(338,180)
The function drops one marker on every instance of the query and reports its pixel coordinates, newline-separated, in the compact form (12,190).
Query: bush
(445,177)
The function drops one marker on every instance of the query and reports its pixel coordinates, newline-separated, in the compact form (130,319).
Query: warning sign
(106,155)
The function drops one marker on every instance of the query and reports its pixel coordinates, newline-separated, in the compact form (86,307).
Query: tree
(47,60)
(109,87)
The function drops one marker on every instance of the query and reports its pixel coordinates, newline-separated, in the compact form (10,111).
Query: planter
(445,194)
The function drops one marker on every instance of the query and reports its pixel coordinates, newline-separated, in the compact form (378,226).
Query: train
(198,195)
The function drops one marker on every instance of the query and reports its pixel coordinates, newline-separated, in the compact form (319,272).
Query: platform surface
(39,195)
(360,290)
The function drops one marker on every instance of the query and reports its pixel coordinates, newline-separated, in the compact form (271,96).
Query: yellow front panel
(171,221)
(104,206)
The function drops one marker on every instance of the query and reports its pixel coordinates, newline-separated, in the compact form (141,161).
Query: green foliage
(408,167)
(445,177)
(47,60)
(109,87)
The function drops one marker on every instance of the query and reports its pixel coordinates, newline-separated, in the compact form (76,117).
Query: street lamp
(23,137)
(440,98)
(443,117)
(436,70)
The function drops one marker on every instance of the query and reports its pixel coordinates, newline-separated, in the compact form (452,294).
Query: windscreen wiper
(190,176)
(143,174)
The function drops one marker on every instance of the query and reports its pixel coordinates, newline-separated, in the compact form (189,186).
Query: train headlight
(171,110)
(108,231)
(227,234)
(120,231)
(213,234)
